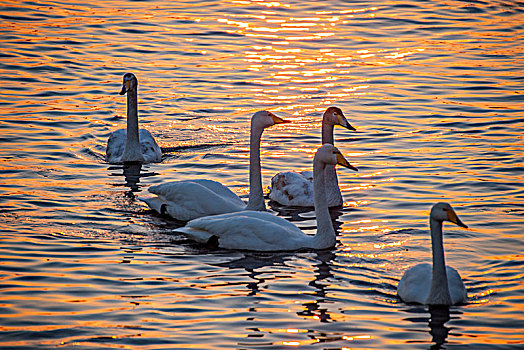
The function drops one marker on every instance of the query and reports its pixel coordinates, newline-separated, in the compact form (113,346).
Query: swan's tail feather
(154,203)
(198,235)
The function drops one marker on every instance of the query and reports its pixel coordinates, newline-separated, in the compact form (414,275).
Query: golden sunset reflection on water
(433,89)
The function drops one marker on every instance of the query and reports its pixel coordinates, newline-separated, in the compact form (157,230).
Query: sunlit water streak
(433,88)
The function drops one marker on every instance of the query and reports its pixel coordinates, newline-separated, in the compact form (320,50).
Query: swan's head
(444,212)
(265,119)
(329,154)
(334,116)
(129,83)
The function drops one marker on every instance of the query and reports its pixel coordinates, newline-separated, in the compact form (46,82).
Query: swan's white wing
(457,290)
(292,188)
(247,230)
(150,149)
(220,190)
(116,143)
(415,284)
(187,200)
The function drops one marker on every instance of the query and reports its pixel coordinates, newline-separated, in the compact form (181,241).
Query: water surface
(434,89)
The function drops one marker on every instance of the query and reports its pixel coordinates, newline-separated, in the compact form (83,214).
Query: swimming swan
(132,145)
(190,199)
(291,188)
(438,284)
(262,231)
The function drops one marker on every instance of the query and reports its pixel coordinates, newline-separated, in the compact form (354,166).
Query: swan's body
(292,188)
(132,145)
(149,150)
(435,284)
(414,288)
(262,231)
(190,199)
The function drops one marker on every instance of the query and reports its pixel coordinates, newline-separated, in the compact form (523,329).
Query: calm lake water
(434,88)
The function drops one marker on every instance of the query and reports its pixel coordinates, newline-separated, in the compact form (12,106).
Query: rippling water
(434,89)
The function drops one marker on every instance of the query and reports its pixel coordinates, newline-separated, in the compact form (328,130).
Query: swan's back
(415,285)
(190,199)
(116,145)
(220,190)
(249,230)
(292,188)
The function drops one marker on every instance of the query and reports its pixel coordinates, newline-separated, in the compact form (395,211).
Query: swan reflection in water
(439,315)
(252,262)
(322,272)
(256,264)
(132,173)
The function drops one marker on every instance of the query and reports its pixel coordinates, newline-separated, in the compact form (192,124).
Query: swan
(132,145)
(438,284)
(291,188)
(189,199)
(263,231)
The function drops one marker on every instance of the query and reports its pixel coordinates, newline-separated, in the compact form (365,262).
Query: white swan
(438,284)
(190,199)
(292,188)
(262,231)
(132,145)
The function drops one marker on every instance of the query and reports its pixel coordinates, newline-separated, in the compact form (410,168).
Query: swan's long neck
(325,236)
(439,291)
(331,174)
(327,132)
(332,188)
(256,195)
(132,152)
